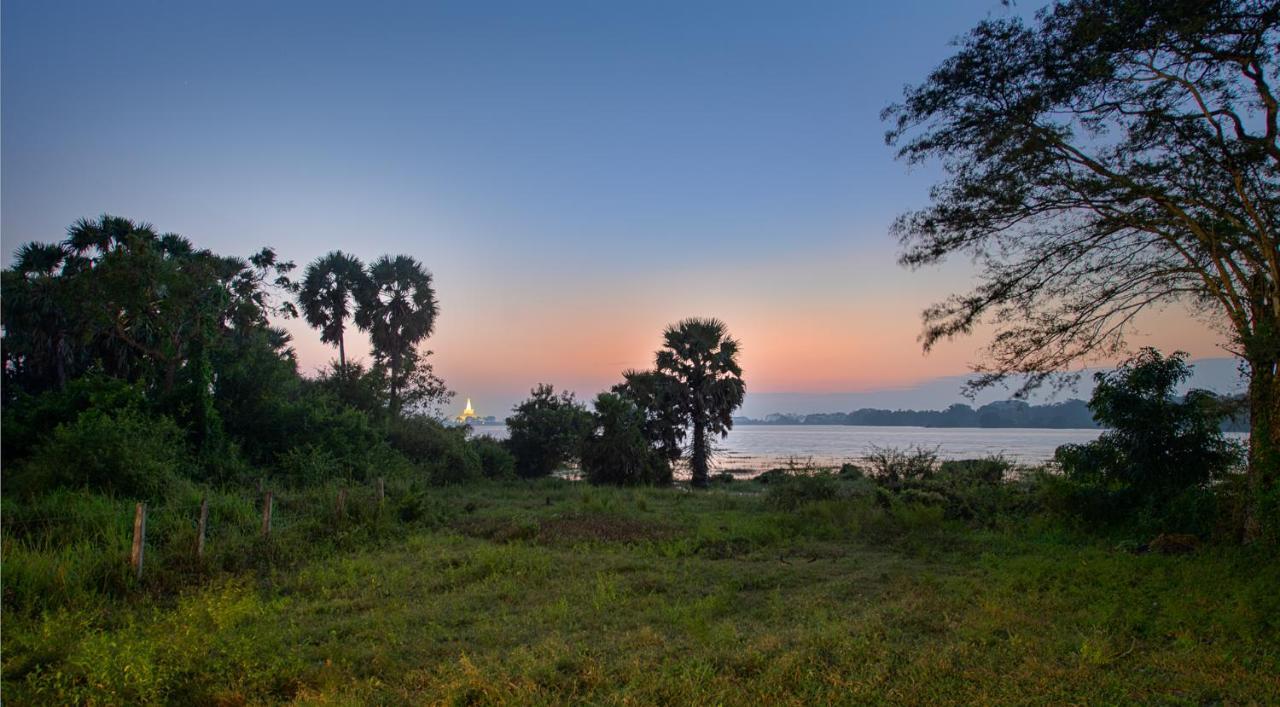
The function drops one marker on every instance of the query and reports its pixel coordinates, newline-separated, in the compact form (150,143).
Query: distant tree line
(1069,414)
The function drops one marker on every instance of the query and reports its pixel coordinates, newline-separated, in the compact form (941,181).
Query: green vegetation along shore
(552,592)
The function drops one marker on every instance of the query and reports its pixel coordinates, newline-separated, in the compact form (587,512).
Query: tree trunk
(698,460)
(342,356)
(395,387)
(59,365)
(1264,442)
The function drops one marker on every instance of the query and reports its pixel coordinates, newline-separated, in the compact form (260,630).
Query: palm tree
(34,310)
(105,233)
(329,285)
(397,306)
(702,360)
(39,259)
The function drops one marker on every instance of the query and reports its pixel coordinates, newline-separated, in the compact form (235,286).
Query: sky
(576,175)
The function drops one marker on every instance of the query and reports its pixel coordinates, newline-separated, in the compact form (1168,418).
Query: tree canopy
(397,306)
(1105,158)
(329,287)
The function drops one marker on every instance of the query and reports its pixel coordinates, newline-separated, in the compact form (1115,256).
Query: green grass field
(556,592)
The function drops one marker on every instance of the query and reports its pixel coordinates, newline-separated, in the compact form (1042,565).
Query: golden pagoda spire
(468,413)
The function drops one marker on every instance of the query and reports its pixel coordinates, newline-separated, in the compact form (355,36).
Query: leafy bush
(987,470)
(495,461)
(546,431)
(1158,448)
(921,497)
(126,453)
(618,451)
(442,452)
(311,416)
(29,420)
(965,489)
(893,466)
(788,492)
(772,476)
(309,465)
(851,471)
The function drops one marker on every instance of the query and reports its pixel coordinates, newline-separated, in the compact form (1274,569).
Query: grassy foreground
(559,592)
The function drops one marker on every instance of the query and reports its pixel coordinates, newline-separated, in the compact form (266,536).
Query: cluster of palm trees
(119,298)
(392,300)
(694,387)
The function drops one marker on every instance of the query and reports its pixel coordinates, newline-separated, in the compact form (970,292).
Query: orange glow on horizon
(814,349)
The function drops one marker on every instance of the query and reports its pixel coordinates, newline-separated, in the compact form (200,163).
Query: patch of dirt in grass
(603,528)
(569,529)
(725,548)
(500,530)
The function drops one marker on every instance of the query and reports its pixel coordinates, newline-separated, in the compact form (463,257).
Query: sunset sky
(576,175)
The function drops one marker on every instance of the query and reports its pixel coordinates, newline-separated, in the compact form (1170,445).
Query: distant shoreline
(762,423)
(1071,414)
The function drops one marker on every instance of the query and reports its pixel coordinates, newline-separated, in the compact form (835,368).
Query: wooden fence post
(200,525)
(342,502)
(266,515)
(139,538)
(382,489)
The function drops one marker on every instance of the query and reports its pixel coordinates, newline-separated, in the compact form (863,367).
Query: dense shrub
(987,470)
(788,492)
(341,431)
(618,451)
(442,452)
(771,476)
(127,453)
(893,466)
(496,462)
(308,465)
(28,420)
(1160,453)
(547,431)
(851,471)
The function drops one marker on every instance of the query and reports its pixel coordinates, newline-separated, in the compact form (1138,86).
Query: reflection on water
(759,447)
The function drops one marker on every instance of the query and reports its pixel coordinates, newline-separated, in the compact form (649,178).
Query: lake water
(760,447)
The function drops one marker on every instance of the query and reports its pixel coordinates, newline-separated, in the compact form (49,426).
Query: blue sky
(576,174)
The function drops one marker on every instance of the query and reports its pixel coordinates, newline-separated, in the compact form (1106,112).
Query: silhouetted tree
(546,431)
(329,286)
(1108,156)
(36,318)
(657,395)
(617,451)
(1159,443)
(702,360)
(118,299)
(397,306)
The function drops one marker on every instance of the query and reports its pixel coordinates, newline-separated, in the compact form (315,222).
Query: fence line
(197,518)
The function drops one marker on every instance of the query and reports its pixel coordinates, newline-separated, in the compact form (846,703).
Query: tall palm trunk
(698,460)
(342,355)
(395,386)
(59,364)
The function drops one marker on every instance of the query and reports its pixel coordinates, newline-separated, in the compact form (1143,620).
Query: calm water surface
(761,447)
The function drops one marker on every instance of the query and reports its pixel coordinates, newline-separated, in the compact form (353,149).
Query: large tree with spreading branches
(1101,159)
